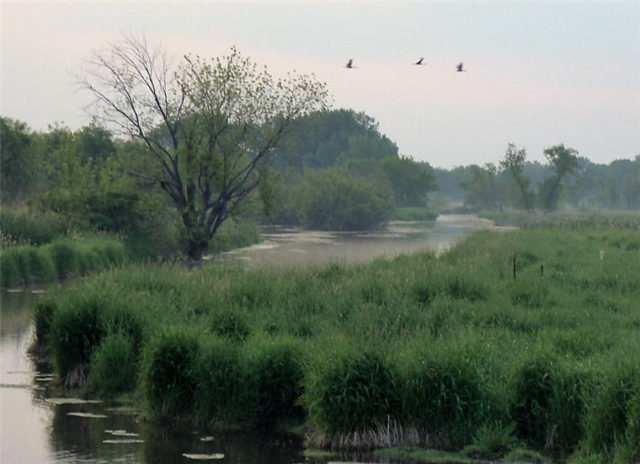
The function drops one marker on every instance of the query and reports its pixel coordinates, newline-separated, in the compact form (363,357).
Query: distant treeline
(613,186)
(333,170)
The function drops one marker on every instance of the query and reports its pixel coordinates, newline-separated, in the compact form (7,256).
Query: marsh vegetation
(446,351)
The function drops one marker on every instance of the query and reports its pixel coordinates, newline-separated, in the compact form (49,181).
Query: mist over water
(295,247)
(36,429)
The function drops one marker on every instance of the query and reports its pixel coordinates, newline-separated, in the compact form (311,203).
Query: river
(38,428)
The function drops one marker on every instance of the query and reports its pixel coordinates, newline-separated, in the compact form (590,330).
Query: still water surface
(36,428)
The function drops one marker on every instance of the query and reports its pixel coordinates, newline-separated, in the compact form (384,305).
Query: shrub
(113,366)
(169,373)
(334,199)
(356,391)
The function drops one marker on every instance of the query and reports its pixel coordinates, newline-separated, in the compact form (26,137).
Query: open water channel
(36,427)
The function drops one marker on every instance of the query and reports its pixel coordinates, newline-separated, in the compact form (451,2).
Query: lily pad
(206,439)
(121,433)
(122,441)
(58,401)
(203,457)
(88,415)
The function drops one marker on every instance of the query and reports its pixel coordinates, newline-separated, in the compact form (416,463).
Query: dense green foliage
(59,259)
(337,171)
(449,348)
(332,199)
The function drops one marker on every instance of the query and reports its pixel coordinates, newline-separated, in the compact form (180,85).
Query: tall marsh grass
(59,259)
(445,351)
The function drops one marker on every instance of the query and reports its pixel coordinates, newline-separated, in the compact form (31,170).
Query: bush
(334,199)
(169,373)
(356,391)
(113,366)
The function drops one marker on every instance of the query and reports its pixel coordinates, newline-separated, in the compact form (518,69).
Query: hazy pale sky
(538,73)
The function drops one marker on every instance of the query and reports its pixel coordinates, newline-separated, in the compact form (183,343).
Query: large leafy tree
(208,125)
(411,181)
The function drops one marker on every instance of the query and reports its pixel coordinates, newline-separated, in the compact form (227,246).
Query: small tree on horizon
(513,163)
(563,161)
(208,126)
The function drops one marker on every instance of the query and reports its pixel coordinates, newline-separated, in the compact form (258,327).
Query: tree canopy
(207,125)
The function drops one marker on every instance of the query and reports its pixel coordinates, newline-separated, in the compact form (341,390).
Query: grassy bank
(447,352)
(38,247)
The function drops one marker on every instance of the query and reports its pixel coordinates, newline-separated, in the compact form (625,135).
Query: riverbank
(452,347)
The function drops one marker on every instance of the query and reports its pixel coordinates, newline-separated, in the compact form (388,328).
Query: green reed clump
(220,383)
(65,257)
(43,314)
(114,366)
(169,373)
(492,441)
(353,392)
(273,381)
(611,416)
(9,270)
(629,450)
(31,228)
(444,396)
(76,329)
(121,317)
(548,407)
(230,324)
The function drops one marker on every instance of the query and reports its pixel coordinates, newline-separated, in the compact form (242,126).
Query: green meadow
(518,343)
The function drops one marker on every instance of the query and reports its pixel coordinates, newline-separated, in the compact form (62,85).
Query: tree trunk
(196,248)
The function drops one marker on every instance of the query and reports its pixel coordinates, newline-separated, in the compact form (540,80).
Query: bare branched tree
(207,125)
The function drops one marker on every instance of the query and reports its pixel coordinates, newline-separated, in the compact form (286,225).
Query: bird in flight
(459,68)
(420,62)
(349,64)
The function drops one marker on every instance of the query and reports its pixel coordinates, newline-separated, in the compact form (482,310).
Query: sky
(538,74)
